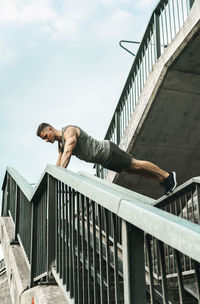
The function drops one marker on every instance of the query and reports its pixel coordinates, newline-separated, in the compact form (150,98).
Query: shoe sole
(175,183)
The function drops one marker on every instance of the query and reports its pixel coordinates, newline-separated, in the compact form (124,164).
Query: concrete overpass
(164,127)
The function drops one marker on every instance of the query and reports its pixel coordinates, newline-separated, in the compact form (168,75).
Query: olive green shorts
(117,159)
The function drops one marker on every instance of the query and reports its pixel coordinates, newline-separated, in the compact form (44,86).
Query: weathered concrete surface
(43,295)
(5,297)
(165,125)
(18,273)
(17,270)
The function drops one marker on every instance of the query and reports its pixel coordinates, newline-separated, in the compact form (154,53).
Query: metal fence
(75,223)
(164,24)
(16,203)
(86,260)
(184,203)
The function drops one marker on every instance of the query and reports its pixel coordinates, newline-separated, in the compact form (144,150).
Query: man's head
(46,132)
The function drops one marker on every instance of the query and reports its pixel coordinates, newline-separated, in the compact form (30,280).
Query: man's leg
(148,169)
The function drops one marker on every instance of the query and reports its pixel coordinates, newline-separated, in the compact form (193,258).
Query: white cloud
(68,20)
(36,12)
(69,24)
(115,27)
(22,13)
(6,52)
(8,11)
(144,4)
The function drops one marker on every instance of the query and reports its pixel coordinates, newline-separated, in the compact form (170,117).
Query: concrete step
(5,297)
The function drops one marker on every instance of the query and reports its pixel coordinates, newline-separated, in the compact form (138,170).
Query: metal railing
(164,24)
(72,237)
(184,203)
(16,204)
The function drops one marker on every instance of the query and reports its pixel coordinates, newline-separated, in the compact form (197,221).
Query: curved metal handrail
(128,41)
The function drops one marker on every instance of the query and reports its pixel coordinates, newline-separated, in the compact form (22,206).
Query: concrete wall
(5,297)
(17,278)
(17,270)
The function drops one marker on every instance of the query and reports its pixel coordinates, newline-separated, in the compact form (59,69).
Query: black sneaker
(170,182)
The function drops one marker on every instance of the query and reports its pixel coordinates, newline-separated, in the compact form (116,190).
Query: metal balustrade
(16,203)
(184,203)
(164,24)
(75,223)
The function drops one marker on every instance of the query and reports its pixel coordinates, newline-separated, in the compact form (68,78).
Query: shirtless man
(72,140)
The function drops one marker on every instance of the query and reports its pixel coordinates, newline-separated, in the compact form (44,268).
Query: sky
(61,63)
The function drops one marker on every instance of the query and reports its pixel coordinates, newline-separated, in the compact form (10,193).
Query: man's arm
(59,158)
(70,136)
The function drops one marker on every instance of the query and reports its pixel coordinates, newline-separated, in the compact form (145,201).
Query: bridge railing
(17,194)
(75,220)
(184,203)
(165,22)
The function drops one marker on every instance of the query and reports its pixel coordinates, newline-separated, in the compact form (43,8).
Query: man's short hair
(41,127)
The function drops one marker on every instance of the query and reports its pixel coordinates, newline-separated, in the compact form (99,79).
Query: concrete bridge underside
(165,127)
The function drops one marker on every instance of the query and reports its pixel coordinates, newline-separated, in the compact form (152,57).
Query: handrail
(109,198)
(177,191)
(120,190)
(63,198)
(25,187)
(122,205)
(128,41)
(184,202)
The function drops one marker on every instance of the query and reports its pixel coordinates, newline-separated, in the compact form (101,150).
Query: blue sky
(60,62)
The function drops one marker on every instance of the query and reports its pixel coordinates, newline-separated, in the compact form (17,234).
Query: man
(72,140)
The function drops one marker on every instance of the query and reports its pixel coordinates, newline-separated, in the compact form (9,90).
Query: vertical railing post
(133,264)
(17,208)
(4,211)
(97,170)
(117,125)
(51,231)
(157,35)
(198,202)
(32,253)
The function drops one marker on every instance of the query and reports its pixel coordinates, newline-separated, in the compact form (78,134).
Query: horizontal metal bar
(173,231)
(44,274)
(121,191)
(2,270)
(25,187)
(182,188)
(24,252)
